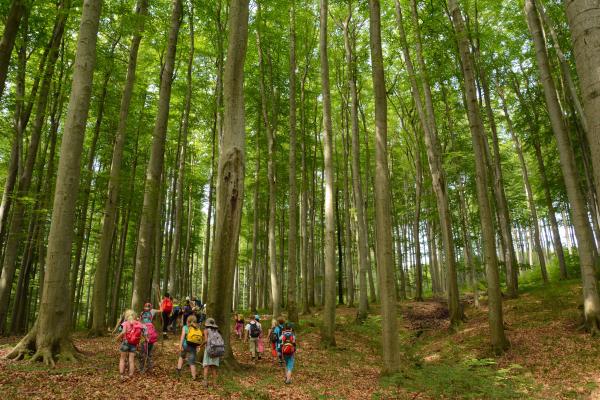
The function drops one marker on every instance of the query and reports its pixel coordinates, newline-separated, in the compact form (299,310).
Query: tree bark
(230,181)
(328,329)
(16,229)
(385,265)
(50,336)
(143,265)
(499,341)
(583,231)
(583,16)
(9,36)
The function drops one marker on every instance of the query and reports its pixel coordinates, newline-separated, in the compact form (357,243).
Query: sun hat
(257,317)
(147,306)
(210,322)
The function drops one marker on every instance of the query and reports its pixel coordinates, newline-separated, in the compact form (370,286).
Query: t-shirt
(248,327)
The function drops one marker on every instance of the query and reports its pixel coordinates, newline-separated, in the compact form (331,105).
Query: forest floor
(548,359)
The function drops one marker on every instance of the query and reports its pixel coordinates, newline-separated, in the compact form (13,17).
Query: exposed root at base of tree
(49,352)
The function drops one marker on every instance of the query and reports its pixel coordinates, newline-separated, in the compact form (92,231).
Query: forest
(413,185)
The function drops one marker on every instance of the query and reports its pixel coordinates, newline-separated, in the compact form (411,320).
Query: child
(239,325)
(191,338)
(253,331)
(260,344)
(131,333)
(166,307)
(272,335)
(147,318)
(275,337)
(288,350)
(214,350)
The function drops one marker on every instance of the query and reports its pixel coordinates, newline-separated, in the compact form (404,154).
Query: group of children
(137,334)
(281,336)
(175,314)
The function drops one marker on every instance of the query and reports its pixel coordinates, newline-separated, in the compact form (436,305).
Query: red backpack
(167,305)
(133,333)
(288,344)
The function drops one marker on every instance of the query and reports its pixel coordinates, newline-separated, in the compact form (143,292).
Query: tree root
(47,351)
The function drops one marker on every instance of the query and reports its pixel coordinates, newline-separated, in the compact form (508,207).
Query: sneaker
(288,381)
(178,372)
(205,383)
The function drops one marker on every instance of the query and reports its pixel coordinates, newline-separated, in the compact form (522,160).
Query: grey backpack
(215,345)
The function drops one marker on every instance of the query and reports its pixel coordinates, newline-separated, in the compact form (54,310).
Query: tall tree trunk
(9,36)
(110,207)
(585,238)
(359,204)
(18,218)
(143,265)
(230,181)
(173,282)
(50,336)
(328,329)
(428,123)
(15,156)
(293,195)
(583,18)
(499,341)
(385,265)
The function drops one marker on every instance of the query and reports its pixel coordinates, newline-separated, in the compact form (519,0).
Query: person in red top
(166,307)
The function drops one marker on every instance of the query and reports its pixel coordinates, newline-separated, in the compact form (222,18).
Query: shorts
(190,352)
(289,362)
(127,348)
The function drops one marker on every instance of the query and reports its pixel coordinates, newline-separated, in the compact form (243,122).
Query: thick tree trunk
(15,233)
(293,195)
(230,180)
(499,341)
(143,265)
(359,204)
(110,207)
(49,336)
(9,36)
(385,265)
(583,231)
(328,329)
(583,17)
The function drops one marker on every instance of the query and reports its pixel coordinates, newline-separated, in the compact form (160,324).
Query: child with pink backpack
(147,319)
(132,331)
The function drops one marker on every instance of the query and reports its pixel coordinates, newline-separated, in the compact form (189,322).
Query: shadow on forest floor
(548,359)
